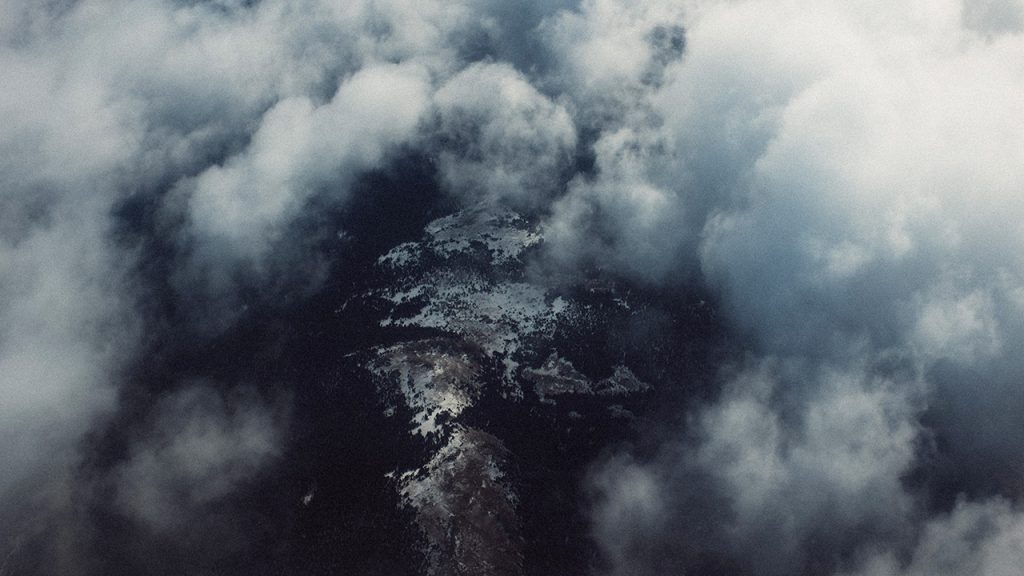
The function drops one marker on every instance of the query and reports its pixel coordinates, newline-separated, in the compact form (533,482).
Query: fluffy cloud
(626,212)
(186,107)
(876,215)
(225,121)
(500,139)
(848,177)
(239,213)
(793,467)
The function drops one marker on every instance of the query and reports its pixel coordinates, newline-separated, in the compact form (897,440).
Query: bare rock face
(466,508)
(557,377)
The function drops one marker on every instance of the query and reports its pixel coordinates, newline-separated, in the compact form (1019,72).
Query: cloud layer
(843,179)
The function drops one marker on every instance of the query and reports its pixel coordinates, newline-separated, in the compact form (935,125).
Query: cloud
(994,16)
(201,447)
(107,103)
(605,52)
(239,213)
(846,179)
(792,467)
(628,514)
(828,473)
(841,179)
(499,139)
(854,229)
(66,316)
(66,330)
(300,147)
(625,212)
(221,126)
(974,538)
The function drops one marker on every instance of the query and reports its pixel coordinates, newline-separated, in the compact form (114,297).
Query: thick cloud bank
(856,172)
(844,180)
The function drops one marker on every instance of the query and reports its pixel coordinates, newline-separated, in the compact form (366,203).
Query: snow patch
(435,378)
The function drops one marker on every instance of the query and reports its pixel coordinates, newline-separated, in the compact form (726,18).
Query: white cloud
(239,211)
(848,176)
(106,101)
(985,539)
(499,138)
(792,463)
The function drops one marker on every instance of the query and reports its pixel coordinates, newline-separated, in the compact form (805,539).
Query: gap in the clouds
(312,346)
